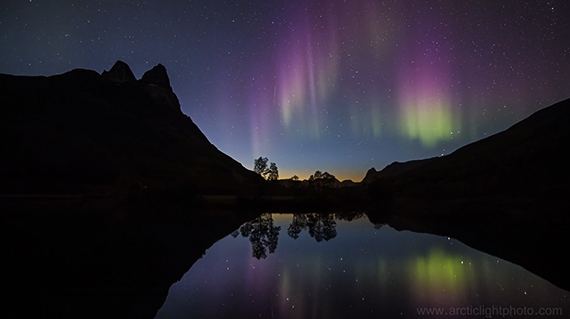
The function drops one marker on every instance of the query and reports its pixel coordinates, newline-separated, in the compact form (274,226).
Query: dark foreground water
(323,266)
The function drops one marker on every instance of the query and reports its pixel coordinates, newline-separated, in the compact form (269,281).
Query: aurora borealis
(337,86)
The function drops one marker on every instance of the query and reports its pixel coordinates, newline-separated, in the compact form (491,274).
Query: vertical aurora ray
(425,110)
(307,68)
(367,93)
(366,121)
(261,113)
(424,90)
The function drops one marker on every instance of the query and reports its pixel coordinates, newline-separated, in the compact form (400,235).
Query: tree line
(271,173)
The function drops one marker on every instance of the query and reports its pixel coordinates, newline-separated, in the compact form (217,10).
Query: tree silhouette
(320,226)
(263,235)
(260,165)
(349,216)
(272,172)
(297,225)
(320,180)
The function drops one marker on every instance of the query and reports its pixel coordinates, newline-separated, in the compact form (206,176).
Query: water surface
(323,266)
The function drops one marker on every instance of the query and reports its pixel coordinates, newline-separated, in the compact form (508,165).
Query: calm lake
(325,266)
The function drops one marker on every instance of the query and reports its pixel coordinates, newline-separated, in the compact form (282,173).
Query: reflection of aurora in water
(362,272)
(441,278)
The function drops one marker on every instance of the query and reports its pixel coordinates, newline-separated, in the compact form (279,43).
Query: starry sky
(337,86)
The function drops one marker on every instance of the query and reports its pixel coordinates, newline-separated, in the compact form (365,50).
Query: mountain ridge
(85,132)
(527,153)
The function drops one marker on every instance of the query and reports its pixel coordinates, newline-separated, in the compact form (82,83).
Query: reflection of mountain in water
(99,258)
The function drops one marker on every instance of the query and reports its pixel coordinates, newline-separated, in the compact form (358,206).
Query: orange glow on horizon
(341,175)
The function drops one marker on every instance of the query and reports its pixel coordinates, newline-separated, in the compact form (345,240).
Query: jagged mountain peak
(119,73)
(157,75)
(157,85)
(107,133)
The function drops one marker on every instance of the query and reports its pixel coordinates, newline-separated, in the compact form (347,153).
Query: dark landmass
(82,132)
(506,194)
(102,258)
(392,170)
(526,161)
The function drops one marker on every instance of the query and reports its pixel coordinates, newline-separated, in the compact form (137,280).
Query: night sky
(337,86)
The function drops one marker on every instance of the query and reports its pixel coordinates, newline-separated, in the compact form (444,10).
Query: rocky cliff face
(85,132)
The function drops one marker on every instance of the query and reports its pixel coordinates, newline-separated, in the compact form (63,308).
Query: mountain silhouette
(394,169)
(82,132)
(525,161)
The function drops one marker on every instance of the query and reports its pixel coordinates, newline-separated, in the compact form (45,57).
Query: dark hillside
(82,132)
